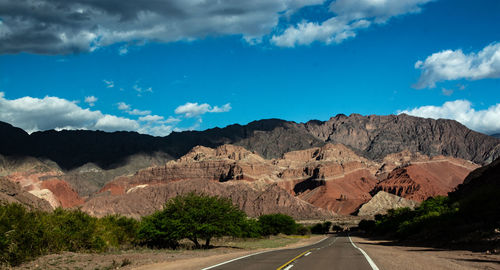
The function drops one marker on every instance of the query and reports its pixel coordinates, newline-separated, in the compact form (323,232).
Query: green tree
(194,217)
(277,223)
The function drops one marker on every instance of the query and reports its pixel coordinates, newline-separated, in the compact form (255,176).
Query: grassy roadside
(129,259)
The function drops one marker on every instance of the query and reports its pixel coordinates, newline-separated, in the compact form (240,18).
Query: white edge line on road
(370,261)
(305,255)
(288,267)
(249,255)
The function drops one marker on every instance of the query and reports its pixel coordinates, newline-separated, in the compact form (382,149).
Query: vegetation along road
(336,252)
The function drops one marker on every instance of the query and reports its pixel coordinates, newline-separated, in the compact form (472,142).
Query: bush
(273,224)
(303,230)
(25,235)
(367,225)
(250,228)
(321,228)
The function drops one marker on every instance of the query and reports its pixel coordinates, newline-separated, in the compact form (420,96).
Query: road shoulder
(388,257)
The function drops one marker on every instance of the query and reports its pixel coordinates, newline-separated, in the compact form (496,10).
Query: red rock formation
(66,196)
(253,197)
(420,180)
(42,179)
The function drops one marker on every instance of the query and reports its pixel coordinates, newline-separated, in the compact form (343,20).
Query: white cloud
(333,30)
(447,92)
(123,50)
(157,130)
(142,90)
(485,121)
(224,108)
(190,110)
(126,108)
(91,101)
(151,118)
(123,106)
(82,25)
(109,84)
(138,112)
(454,65)
(113,123)
(171,120)
(34,114)
(352,15)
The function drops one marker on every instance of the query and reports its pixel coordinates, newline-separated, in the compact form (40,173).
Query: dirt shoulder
(149,259)
(388,256)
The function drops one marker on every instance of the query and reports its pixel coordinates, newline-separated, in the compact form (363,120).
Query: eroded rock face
(255,198)
(331,177)
(423,179)
(11,192)
(41,179)
(382,202)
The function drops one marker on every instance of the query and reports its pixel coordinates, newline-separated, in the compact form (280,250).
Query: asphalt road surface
(336,252)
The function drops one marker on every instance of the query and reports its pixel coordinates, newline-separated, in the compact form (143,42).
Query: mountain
(496,135)
(312,169)
(377,136)
(373,137)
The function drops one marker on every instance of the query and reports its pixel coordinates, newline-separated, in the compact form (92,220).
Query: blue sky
(298,60)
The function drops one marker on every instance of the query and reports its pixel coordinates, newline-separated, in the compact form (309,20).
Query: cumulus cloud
(454,65)
(485,121)
(351,15)
(34,114)
(61,26)
(190,110)
(91,101)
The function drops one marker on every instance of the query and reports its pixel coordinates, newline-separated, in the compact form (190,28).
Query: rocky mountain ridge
(373,137)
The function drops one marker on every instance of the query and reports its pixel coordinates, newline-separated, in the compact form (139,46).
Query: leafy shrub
(321,228)
(250,228)
(367,225)
(273,224)
(303,230)
(25,235)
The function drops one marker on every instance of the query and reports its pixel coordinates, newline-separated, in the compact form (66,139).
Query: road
(336,252)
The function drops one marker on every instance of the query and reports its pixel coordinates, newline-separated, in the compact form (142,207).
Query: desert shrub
(337,228)
(118,230)
(250,228)
(321,228)
(21,235)
(72,230)
(303,230)
(367,225)
(273,224)
(25,234)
